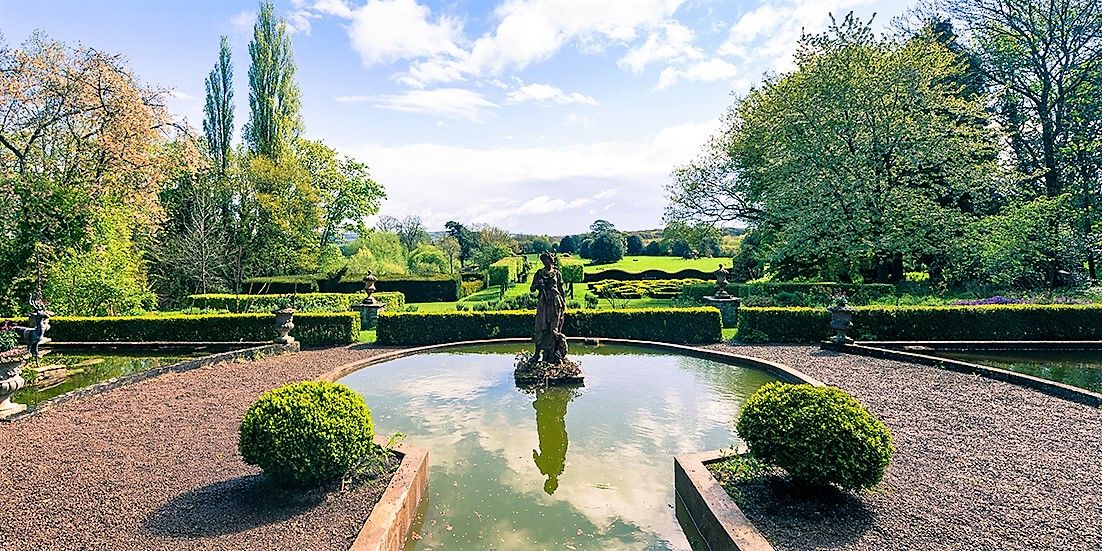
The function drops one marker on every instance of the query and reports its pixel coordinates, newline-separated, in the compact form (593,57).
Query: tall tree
(853,163)
(274,119)
(218,111)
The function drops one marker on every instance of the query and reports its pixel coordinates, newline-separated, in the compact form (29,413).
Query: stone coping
(186,365)
(779,370)
(714,513)
(717,517)
(393,516)
(1052,388)
(964,346)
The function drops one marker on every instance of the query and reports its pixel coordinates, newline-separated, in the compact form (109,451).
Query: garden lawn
(638,264)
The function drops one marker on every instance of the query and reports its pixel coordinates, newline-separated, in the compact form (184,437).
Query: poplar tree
(218,111)
(273,95)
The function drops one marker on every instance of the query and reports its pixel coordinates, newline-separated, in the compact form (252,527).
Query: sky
(537,116)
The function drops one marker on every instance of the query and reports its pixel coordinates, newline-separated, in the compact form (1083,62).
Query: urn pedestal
(728,308)
(11,380)
(369,314)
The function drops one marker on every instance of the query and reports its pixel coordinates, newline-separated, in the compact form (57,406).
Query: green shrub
(500,274)
(792,294)
(307,433)
(819,435)
(573,271)
(468,288)
(305,302)
(678,325)
(438,288)
(654,288)
(310,328)
(932,323)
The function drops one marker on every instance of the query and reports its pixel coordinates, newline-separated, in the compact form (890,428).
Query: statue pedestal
(541,374)
(728,308)
(369,314)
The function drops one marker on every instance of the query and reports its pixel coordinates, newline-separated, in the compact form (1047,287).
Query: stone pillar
(369,314)
(728,308)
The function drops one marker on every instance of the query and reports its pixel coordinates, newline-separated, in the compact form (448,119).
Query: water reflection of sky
(486,488)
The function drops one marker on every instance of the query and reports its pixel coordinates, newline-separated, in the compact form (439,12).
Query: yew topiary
(307,433)
(819,435)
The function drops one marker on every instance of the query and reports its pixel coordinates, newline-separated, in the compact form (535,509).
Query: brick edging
(718,518)
(392,517)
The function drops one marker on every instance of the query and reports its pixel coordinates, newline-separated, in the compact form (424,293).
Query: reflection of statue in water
(548,365)
(550,407)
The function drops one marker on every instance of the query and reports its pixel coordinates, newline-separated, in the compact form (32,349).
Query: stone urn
(11,380)
(841,320)
(284,323)
(369,288)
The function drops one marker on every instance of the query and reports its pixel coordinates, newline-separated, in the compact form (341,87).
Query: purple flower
(997,299)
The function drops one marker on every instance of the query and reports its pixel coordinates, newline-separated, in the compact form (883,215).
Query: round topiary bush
(307,433)
(819,435)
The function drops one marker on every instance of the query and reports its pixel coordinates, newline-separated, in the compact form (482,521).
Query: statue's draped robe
(551,307)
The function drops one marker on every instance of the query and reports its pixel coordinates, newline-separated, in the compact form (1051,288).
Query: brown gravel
(979,465)
(154,465)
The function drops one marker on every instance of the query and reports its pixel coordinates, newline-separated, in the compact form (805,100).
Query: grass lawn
(636,264)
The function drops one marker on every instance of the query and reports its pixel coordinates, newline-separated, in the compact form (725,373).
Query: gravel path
(154,465)
(979,465)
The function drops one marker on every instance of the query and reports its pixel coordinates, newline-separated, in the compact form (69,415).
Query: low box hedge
(310,328)
(281,285)
(677,325)
(793,294)
(305,302)
(928,323)
(654,288)
(598,275)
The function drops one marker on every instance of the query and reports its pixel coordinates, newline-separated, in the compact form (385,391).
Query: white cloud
(709,70)
(768,35)
(243,22)
(496,185)
(456,103)
(575,119)
(526,32)
(546,93)
(672,42)
(176,94)
(386,30)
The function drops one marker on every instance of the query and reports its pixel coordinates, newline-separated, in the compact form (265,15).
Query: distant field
(635,264)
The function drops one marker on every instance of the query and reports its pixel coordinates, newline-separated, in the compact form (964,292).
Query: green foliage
(282,284)
(607,247)
(218,110)
(468,288)
(379,252)
(792,294)
(274,120)
(8,339)
(654,288)
(315,329)
(346,192)
(920,323)
(634,245)
(438,288)
(492,244)
(504,271)
(568,244)
(305,302)
(678,325)
(307,433)
(819,435)
(573,271)
(286,214)
(428,260)
(888,166)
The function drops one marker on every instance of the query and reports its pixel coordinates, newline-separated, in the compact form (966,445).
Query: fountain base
(532,372)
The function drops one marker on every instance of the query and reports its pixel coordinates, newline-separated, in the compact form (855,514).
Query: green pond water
(98,366)
(1077,368)
(587,468)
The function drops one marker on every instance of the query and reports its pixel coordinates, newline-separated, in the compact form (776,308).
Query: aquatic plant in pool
(581,468)
(1081,368)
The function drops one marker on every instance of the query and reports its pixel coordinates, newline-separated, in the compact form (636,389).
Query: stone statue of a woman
(548,336)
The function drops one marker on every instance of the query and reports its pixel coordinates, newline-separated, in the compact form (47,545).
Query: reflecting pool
(561,468)
(1077,368)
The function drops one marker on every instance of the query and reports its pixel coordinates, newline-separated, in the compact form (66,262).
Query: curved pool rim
(781,371)
(715,515)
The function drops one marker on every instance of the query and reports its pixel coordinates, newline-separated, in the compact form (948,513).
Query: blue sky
(538,116)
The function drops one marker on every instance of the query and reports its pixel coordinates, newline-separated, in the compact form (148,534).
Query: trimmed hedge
(923,323)
(621,275)
(810,293)
(468,288)
(432,288)
(677,325)
(654,288)
(310,328)
(573,271)
(306,302)
(282,285)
